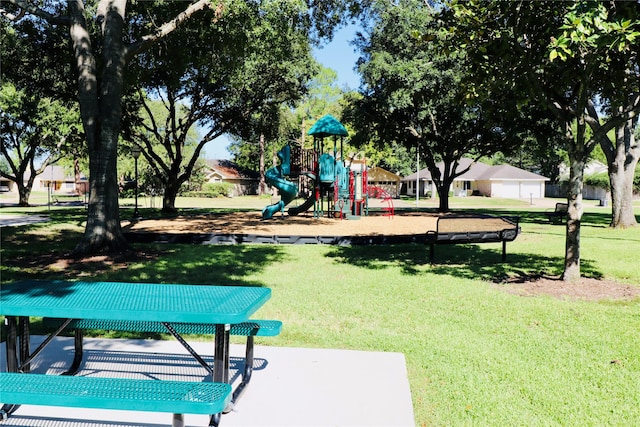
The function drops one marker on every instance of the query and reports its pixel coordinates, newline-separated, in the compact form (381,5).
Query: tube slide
(288,191)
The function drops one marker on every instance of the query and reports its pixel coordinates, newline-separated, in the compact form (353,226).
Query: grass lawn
(476,355)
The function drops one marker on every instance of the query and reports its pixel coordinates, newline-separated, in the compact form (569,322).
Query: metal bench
(560,212)
(250,329)
(462,229)
(177,397)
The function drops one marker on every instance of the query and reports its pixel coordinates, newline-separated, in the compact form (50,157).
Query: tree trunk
(262,186)
(76,174)
(169,197)
(24,192)
(622,165)
(443,203)
(101,113)
(574,217)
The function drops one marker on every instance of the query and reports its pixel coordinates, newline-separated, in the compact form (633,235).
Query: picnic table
(169,304)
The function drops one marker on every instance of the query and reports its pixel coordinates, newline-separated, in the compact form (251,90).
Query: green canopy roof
(327,126)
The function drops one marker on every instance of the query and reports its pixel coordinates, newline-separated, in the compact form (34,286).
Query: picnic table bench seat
(249,329)
(177,397)
(463,229)
(258,327)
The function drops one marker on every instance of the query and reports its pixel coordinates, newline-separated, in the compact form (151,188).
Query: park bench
(177,397)
(250,329)
(463,229)
(559,213)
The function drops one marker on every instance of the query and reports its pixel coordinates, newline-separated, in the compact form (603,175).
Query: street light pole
(135,152)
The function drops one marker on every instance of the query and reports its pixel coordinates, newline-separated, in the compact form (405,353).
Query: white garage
(510,182)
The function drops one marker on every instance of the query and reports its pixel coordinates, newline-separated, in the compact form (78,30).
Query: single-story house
(245,182)
(387,181)
(54,178)
(504,181)
(6,185)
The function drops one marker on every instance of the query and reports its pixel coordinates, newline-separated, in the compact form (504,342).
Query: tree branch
(34,10)
(169,27)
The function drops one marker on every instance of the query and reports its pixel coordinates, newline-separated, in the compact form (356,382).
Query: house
(61,180)
(504,181)
(6,185)
(589,192)
(54,178)
(387,181)
(245,182)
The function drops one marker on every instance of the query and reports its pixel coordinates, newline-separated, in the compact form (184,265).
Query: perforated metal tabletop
(132,301)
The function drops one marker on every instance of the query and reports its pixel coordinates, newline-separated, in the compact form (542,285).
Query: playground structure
(324,179)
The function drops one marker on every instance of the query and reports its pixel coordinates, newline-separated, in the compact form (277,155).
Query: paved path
(16,220)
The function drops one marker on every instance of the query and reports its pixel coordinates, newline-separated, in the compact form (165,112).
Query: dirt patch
(588,289)
(304,225)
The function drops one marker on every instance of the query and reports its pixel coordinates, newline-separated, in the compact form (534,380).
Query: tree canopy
(555,55)
(105,36)
(413,94)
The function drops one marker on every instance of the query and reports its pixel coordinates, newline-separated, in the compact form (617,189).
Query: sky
(338,55)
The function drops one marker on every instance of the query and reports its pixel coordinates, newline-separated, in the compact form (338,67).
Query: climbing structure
(324,179)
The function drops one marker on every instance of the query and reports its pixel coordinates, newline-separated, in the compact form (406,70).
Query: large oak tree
(555,55)
(103,42)
(413,94)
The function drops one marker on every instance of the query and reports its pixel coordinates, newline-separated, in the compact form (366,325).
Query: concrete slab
(289,387)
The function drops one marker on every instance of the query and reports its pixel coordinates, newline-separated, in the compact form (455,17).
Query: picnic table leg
(221,363)
(178,420)
(431,250)
(11,344)
(78,336)
(12,336)
(25,343)
(221,354)
(248,371)
(504,251)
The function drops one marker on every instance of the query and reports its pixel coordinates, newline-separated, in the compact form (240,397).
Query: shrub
(212,190)
(599,180)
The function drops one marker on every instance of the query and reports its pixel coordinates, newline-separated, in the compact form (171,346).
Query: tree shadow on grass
(474,262)
(409,257)
(42,252)
(462,261)
(225,265)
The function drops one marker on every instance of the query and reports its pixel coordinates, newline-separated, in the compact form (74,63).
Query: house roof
(56,173)
(509,173)
(475,170)
(379,174)
(479,171)
(230,170)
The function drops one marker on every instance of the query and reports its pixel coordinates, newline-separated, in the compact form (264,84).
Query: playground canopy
(328,126)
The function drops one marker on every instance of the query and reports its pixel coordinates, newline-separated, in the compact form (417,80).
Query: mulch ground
(407,223)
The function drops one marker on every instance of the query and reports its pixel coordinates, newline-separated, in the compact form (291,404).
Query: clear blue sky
(338,55)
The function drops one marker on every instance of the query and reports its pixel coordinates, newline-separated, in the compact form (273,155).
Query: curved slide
(308,204)
(288,192)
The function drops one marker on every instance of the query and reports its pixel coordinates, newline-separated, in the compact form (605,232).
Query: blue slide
(276,177)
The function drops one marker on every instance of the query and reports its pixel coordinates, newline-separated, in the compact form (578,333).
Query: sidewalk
(290,386)
(16,220)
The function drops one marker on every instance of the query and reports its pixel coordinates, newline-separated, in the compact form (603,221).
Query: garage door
(530,189)
(510,189)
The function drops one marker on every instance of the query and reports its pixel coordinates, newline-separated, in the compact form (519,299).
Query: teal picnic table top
(132,301)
